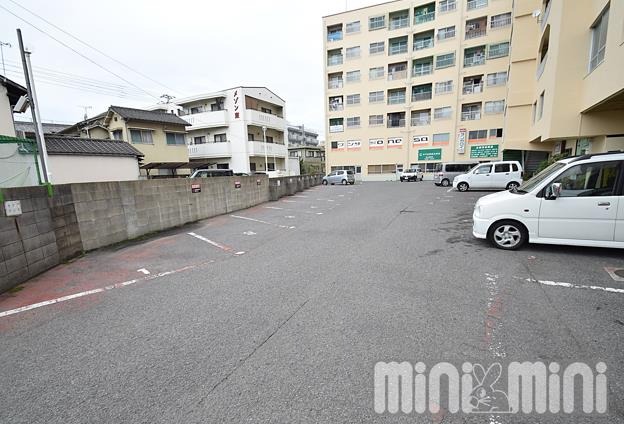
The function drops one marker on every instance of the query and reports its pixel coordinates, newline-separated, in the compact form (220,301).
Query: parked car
(445,173)
(340,176)
(413,174)
(576,201)
(491,176)
(204,173)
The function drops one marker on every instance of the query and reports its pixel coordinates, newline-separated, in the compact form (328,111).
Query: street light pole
(266,158)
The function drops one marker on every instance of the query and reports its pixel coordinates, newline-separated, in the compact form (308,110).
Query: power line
(78,53)
(90,46)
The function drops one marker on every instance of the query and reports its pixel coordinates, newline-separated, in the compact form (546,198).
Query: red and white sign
(395,143)
(354,144)
(420,139)
(376,144)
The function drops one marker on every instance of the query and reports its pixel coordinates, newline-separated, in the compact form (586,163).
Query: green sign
(430,154)
(484,151)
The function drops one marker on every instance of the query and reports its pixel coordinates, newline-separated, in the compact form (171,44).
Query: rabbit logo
(485,398)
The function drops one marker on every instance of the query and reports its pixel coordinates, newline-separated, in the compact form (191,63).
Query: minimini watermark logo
(532,387)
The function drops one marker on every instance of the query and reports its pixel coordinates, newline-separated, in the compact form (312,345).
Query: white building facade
(242,128)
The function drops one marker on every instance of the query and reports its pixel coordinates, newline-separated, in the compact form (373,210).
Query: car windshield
(541,176)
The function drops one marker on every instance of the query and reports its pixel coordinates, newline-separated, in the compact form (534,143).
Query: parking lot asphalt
(279,313)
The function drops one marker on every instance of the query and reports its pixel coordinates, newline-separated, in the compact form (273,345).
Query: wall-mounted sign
(484,151)
(420,139)
(236,105)
(354,144)
(195,188)
(237,184)
(430,154)
(395,143)
(461,141)
(376,144)
(557,149)
(338,145)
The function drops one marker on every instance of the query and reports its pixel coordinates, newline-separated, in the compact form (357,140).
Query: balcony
(472,115)
(207,119)
(424,17)
(423,95)
(473,88)
(399,22)
(210,150)
(336,128)
(498,50)
(422,70)
(260,119)
(396,99)
(421,121)
(333,84)
(423,43)
(334,36)
(335,107)
(396,123)
(397,75)
(334,60)
(476,4)
(474,60)
(257,148)
(475,33)
(501,23)
(447,7)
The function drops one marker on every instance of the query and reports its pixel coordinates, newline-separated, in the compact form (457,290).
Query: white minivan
(491,176)
(577,201)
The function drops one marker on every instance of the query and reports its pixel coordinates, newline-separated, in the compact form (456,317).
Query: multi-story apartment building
(416,82)
(241,128)
(422,82)
(299,135)
(566,91)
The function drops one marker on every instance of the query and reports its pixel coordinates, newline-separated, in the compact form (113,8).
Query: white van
(576,201)
(489,176)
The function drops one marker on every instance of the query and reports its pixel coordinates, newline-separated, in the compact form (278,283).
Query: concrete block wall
(287,186)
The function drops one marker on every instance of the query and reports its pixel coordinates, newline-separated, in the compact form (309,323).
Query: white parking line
(261,221)
(449,190)
(289,201)
(215,244)
(574,286)
(143,271)
(273,207)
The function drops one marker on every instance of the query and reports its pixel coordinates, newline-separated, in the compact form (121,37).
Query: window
(497,106)
(589,180)
(353,76)
(382,169)
(396,96)
(514,167)
(399,20)
(483,169)
(197,109)
(375,120)
(375,96)
(442,112)
(397,46)
(476,4)
(445,60)
(540,106)
(446,33)
(220,138)
(376,22)
(447,5)
(500,21)
(352,27)
(497,78)
(444,87)
(353,52)
(477,135)
(334,33)
(199,140)
(441,138)
(377,48)
(376,73)
(141,136)
(250,137)
(117,135)
(353,99)
(271,166)
(421,117)
(269,139)
(175,139)
(252,166)
(215,107)
(353,122)
(599,40)
(266,110)
(335,80)
(498,50)
(496,133)
(502,167)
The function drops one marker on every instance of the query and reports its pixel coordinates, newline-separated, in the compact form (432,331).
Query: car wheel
(512,185)
(508,235)
(324,182)
(463,186)
(352,183)
(445,183)
(344,182)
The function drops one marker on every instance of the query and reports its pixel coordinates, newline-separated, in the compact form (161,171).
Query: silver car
(341,176)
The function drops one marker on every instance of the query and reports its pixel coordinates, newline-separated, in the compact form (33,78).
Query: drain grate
(617,274)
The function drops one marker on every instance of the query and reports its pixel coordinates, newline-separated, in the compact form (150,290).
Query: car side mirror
(553,191)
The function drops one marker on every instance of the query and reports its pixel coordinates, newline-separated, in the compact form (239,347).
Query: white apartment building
(241,128)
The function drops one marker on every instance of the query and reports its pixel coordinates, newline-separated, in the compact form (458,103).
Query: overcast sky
(188,46)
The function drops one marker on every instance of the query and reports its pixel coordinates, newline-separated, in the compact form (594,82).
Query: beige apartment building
(422,82)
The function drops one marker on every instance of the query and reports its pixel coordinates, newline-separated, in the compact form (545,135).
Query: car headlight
(477,210)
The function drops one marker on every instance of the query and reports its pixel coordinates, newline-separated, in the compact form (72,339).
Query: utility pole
(2,54)
(34,108)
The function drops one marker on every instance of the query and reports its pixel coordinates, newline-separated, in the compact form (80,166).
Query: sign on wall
(461,141)
(354,144)
(338,145)
(375,144)
(395,143)
(236,105)
(484,151)
(420,139)
(430,154)
(195,188)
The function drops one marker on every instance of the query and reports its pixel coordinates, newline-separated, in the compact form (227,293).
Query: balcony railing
(423,95)
(424,17)
(396,123)
(335,84)
(475,33)
(336,128)
(500,51)
(397,23)
(474,60)
(473,115)
(493,82)
(445,62)
(424,43)
(397,49)
(334,36)
(447,7)
(500,23)
(259,148)
(442,115)
(211,149)
(445,35)
(334,60)
(476,4)
(397,75)
(396,100)
(336,107)
(422,70)
(473,88)
(260,119)
(207,119)
(421,121)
